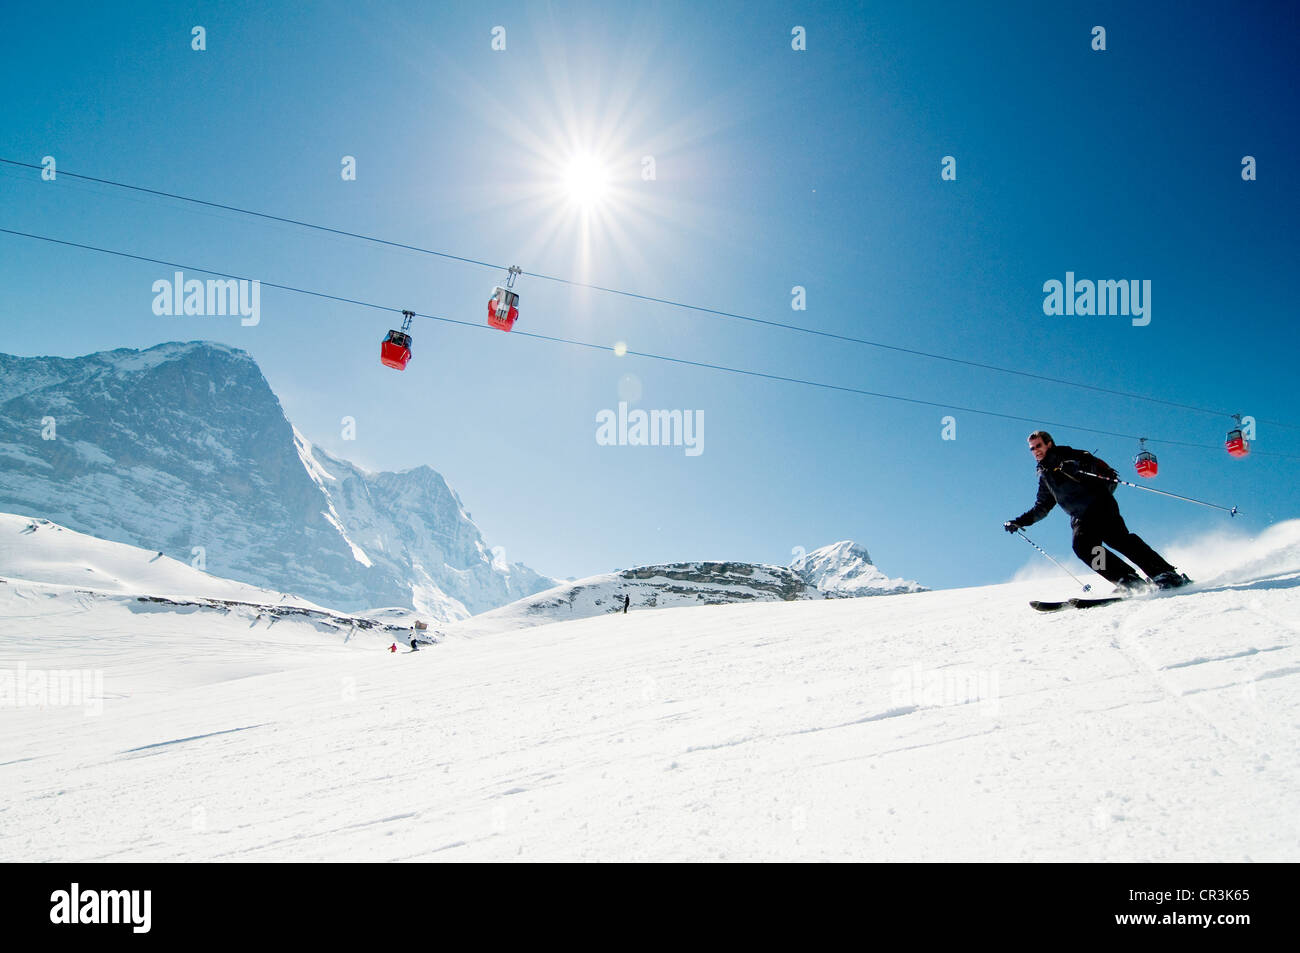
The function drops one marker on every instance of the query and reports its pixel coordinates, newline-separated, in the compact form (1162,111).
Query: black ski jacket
(1074,494)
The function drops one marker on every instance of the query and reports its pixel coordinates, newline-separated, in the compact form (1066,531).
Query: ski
(1079,603)
(1089,603)
(1074,603)
(1049,606)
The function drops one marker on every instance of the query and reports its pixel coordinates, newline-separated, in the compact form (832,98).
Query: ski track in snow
(948,726)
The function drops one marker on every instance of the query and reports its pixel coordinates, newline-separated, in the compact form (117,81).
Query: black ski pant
(1101,526)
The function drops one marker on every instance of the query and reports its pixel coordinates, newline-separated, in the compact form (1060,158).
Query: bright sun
(586,180)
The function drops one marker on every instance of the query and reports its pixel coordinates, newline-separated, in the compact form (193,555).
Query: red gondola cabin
(1237,445)
(502,309)
(1145,463)
(396,350)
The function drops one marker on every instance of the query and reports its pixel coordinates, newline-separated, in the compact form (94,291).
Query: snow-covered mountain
(648,587)
(412,525)
(184,448)
(845,570)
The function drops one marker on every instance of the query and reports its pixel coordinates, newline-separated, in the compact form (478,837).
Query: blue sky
(774,168)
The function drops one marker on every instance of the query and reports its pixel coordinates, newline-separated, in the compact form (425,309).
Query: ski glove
(1011,526)
(1071,469)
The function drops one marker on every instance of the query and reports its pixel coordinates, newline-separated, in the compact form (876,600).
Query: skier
(627,601)
(414,645)
(1084,486)
(393,647)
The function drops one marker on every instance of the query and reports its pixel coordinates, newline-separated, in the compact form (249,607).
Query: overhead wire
(700,309)
(611,348)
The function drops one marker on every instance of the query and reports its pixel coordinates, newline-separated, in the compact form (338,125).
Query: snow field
(955,725)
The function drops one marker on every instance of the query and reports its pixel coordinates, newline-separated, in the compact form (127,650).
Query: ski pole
(1087,587)
(1231,511)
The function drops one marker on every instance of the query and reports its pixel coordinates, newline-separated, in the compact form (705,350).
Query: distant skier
(627,601)
(415,646)
(1084,486)
(393,647)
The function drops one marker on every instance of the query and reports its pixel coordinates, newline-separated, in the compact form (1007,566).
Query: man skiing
(1084,486)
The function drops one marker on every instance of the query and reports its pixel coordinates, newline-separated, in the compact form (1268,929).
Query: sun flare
(586,180)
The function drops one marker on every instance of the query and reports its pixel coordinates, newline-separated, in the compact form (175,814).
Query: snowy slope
(36,550)
(48,561)
(954,725)
(845,569)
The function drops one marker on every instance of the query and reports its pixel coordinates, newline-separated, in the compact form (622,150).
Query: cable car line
(266,215)
(610,348)
(893,347)
(650,298)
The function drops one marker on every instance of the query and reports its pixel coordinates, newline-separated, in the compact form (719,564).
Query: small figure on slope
(1084,486)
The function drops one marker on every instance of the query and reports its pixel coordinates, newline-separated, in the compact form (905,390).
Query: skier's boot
(1131,585)
(1170,580)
